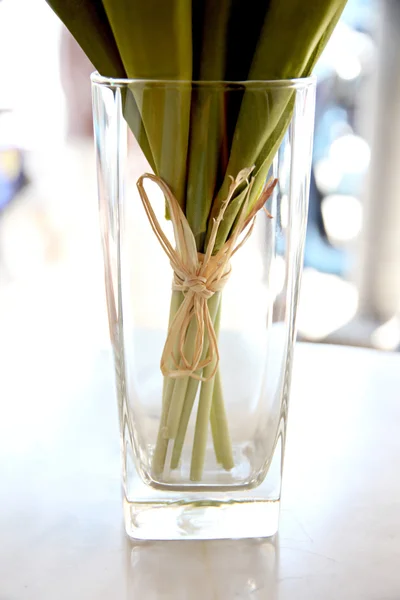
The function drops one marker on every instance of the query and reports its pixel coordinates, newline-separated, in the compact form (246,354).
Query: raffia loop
(198,276)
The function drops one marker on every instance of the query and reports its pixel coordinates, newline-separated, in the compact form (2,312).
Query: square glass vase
(202,327)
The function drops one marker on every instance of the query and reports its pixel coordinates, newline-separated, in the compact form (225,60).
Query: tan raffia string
(198,276)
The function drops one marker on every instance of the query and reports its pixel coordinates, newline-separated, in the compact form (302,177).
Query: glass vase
(203,362)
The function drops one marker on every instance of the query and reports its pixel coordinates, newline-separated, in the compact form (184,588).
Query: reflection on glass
(217,570)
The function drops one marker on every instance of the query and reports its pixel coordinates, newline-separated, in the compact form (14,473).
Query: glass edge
(294,83)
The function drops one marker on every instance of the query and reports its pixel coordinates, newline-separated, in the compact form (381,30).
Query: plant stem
(219,424)
(181,383)
(178,396)
(219,427)
(160,450)
(214,433)
(203,416)
(178,399)
(184,421)
(201,430)
(214,425)
(213,307)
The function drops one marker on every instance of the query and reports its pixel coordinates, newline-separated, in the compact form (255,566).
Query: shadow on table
(203,570)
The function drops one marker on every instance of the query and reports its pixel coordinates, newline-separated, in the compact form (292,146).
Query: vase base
(221,513)
(201,520)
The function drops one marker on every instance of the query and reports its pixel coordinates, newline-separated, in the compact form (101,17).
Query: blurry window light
(327,175)
(348,154)
(387,336)
(327,303)
(349,53)
(277,275)
(347,66)
(284,211)
(339,129)
(342,217)
(351,153)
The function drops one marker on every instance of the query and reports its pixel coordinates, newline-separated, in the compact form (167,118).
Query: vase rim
(292,83)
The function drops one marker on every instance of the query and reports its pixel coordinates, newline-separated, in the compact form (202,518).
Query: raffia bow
(199,276)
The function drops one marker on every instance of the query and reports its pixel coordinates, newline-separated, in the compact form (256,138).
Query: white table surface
(61,533)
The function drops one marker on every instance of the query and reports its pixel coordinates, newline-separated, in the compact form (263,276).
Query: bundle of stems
(197,142)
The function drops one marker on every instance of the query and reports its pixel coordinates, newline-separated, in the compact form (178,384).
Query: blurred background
(51,283)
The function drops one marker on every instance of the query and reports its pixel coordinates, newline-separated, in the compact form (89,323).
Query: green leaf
(88,23)
(208,122)
(264,159)
(232,39)
(155,43)
(291,41)
(135,122)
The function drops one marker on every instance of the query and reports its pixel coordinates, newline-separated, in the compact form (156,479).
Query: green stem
(179,391)
(201,430)
(192,387)
(184,422)
(181,384)
(203,417)
(219,427)
(214,425)
(160,450)
(214,433)
(178,400)
(213,307)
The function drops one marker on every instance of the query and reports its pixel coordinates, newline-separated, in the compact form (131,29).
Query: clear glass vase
(202,441)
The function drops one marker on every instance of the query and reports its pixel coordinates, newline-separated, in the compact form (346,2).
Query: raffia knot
(205,281)
(195,283)
(198,276)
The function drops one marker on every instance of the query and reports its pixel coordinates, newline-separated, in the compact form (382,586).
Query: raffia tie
(198,276)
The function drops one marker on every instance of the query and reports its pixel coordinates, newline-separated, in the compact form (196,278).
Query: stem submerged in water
(201,430)
(219,427)
(184,390)
(161,447)
(184,422)
(203,416)
(178,399)
(193,385)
